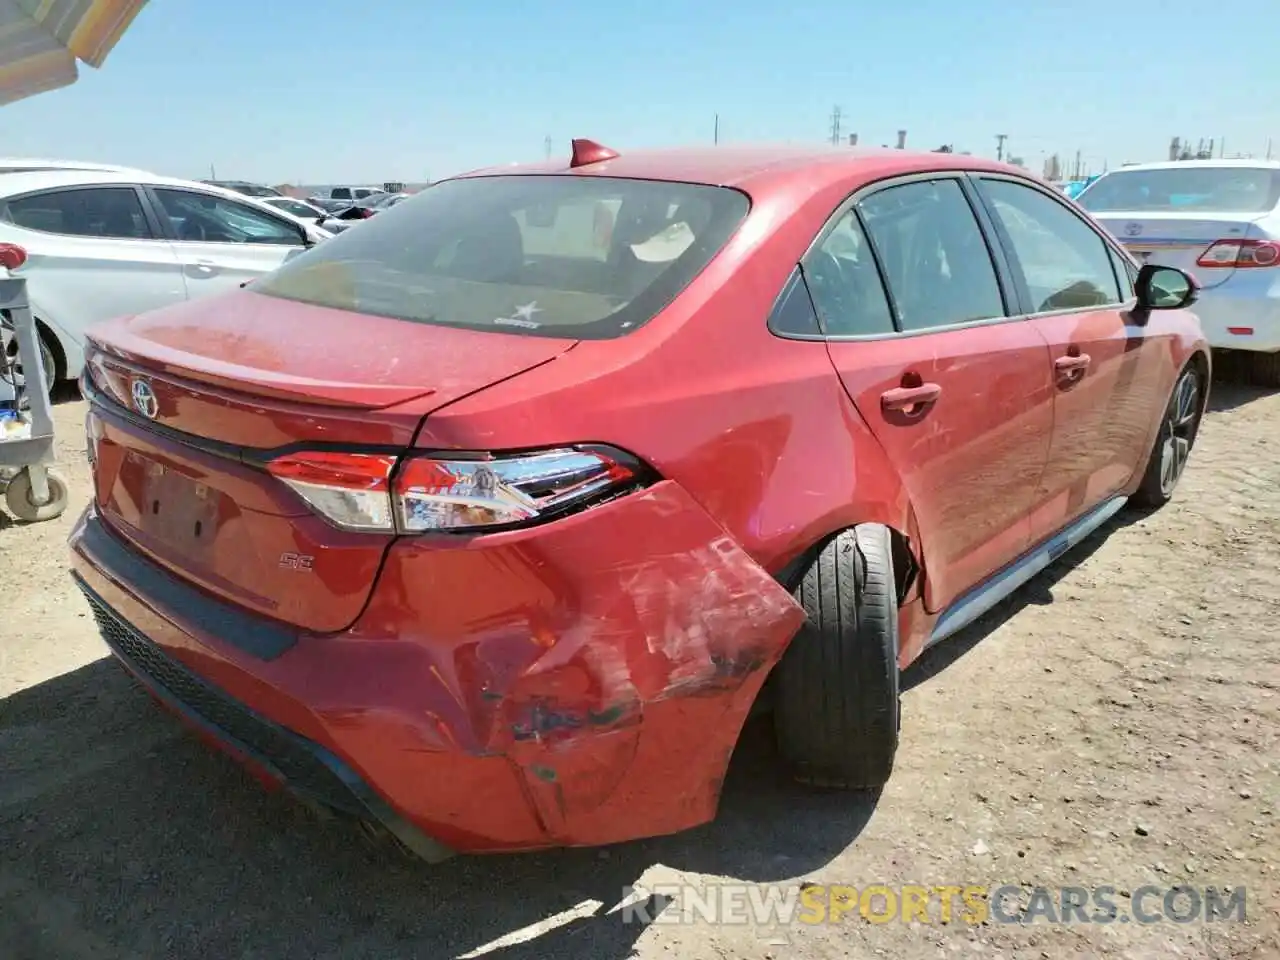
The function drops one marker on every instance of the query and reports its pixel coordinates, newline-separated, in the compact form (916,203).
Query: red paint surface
(584,681)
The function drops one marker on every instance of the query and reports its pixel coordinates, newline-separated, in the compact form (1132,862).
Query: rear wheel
(836,713)
(1178,429)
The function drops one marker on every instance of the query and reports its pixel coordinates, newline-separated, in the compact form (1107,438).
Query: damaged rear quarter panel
(611,656)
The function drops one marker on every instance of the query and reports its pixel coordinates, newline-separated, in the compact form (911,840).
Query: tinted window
(113,212)
(1185,188)
(845,283)
(934,256)
(582,257)
(792,314)
(204,218)
(1064,262)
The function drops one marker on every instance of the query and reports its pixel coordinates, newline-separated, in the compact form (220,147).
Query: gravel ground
(1116,723)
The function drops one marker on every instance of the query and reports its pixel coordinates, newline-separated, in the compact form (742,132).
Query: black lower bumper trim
(255,636)
(304,767)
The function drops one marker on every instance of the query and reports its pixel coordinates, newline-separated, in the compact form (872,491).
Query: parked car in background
(489,521)
(353,194)
(308,211)
(245,188)
(329,204)
(386,201)
(99,244)
(1219,219)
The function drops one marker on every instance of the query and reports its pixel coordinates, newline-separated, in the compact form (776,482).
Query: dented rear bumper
(578,683)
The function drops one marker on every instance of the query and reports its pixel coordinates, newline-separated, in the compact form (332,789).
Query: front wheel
(836,713)
(1178,430)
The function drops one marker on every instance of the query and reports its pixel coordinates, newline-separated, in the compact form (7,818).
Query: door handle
(1071,368)
(905,399)
(1070,364)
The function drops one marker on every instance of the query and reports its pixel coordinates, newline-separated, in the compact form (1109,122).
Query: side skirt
(983,598)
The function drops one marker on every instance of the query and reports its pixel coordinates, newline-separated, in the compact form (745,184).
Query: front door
(222,243)
(94,255)
(957,392)
(1106,370)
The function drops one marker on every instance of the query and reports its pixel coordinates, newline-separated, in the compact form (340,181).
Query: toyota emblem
(144,399)
(1132,229)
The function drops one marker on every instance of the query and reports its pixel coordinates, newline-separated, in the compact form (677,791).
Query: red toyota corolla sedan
(487,522)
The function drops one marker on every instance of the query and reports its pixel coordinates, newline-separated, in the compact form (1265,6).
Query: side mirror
(1165,288)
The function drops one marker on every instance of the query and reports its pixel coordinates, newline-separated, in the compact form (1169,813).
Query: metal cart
(34,492)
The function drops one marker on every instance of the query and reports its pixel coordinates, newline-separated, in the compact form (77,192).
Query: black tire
(836,713)
(1179,427)
(47,359)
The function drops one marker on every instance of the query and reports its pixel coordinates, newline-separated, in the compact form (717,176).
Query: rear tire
(836,716)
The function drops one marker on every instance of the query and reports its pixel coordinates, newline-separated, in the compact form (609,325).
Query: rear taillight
(457,493)
(351,490)
(12,256)
(1241,253)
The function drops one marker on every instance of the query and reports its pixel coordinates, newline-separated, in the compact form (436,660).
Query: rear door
(956,390)
(222,243)
(1109,374)
(93,253)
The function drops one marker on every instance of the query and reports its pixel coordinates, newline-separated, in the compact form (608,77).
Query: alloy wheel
(1179,430)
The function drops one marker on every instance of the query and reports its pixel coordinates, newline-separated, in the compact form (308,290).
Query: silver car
(1218,219)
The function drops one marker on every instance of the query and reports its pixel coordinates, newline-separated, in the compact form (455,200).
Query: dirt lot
(1117,723)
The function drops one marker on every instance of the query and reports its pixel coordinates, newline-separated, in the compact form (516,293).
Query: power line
(1000,139)
(835,126)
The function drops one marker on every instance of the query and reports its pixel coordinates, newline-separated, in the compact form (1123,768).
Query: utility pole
(716,136)
(1000,139)
(1076,174)
(213,174)
(1268,148)
(835,126)
(547,146)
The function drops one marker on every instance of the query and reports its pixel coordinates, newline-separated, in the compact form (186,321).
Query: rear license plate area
(177,510)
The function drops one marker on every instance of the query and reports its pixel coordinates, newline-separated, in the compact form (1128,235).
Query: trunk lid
(1179,239)
(186,402)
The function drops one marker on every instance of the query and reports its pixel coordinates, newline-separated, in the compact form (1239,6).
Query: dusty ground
(1118,723)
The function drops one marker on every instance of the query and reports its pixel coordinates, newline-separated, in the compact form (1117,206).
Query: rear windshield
(558,256)
(1178,189)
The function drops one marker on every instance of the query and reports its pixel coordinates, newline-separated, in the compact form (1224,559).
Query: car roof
(27,181)
(744,166)
(22,164)
(1179,164)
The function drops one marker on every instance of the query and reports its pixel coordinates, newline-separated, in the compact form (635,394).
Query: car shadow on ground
(65,391)
(1227,393)
(1038,592)
(154,843)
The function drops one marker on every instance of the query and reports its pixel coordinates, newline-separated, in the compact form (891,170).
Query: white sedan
(105,243)
(309,211)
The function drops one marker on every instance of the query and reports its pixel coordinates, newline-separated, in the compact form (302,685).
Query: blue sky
(322,91)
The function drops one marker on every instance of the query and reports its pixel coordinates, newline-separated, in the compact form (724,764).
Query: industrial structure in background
(1180,149)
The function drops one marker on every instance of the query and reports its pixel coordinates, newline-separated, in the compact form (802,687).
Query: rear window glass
(1177,189)
(568,256)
